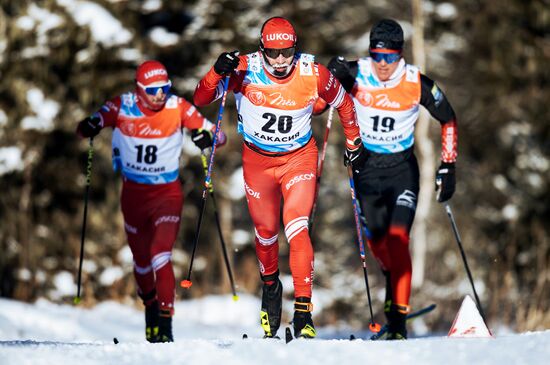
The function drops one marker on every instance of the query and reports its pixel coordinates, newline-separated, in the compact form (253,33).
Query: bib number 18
(150,155)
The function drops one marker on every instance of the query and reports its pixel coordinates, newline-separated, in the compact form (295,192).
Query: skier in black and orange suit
(387,93)
(276,89)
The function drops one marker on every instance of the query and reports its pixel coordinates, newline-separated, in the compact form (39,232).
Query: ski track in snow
(209,330)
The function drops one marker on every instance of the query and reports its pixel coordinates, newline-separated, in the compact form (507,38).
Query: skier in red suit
(276,89)
(147,142)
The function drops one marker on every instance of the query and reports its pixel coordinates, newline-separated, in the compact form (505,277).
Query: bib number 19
(384,125)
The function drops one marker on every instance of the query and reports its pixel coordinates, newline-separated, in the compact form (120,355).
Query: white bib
(387,111)
(277,117)
(147,149)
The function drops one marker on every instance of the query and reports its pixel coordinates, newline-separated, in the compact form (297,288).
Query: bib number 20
(284,123)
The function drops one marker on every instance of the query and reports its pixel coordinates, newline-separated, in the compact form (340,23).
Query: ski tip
(115,340)
(245,336)
(352,337)
(374,327)
(288,335)
(235,297)
(186,284)
(76,300)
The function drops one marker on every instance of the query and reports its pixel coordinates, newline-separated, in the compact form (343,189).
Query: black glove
(339,67)
(227,62)
(445,181)
(202,138)
(357,157)
(90,126)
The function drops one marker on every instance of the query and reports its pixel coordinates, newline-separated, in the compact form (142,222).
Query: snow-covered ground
(209,331)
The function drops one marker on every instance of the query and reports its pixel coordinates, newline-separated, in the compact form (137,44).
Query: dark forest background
(490,57)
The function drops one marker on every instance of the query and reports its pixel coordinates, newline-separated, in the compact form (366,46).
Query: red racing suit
(146,149)
(279,153)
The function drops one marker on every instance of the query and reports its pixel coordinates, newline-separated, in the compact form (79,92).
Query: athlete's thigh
(262,191)
(165,223)
(298,179)
(369,190)
(375,212)
(136,225)
(402,194)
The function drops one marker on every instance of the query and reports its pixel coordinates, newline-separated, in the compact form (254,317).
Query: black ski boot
(151,315)
(302,322)
(397,322)
(165,327)
(152,322)
(272,298)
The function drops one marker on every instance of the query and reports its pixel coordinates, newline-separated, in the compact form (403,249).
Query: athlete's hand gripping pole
(220,234)
(207,182)
(320,168)
(76,299)
(373,326)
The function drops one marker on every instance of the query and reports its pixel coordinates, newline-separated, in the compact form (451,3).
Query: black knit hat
(387,33)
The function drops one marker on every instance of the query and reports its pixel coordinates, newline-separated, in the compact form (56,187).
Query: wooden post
(425,153)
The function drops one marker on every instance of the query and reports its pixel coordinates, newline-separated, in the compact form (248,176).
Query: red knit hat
(151,72)
(278,33)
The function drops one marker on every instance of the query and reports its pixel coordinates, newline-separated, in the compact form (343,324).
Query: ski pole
(363,220)
(207,181)
(320,168)
(373,326)
(463,254)
(76,299)
(222,241)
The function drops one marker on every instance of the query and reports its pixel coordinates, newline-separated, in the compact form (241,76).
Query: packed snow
(209,331)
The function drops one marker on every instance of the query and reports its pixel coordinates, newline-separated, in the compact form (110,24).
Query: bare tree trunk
(425,154)
(25,225)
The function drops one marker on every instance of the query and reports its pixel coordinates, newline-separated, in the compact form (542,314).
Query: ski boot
(165,327)
(397,322)
(302,322)
(151,315)
(272,297)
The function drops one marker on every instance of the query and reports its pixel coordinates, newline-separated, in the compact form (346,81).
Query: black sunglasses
(274,52)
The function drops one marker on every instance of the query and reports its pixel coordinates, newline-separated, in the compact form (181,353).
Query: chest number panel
(284,123)
(150,155)
(385,125)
